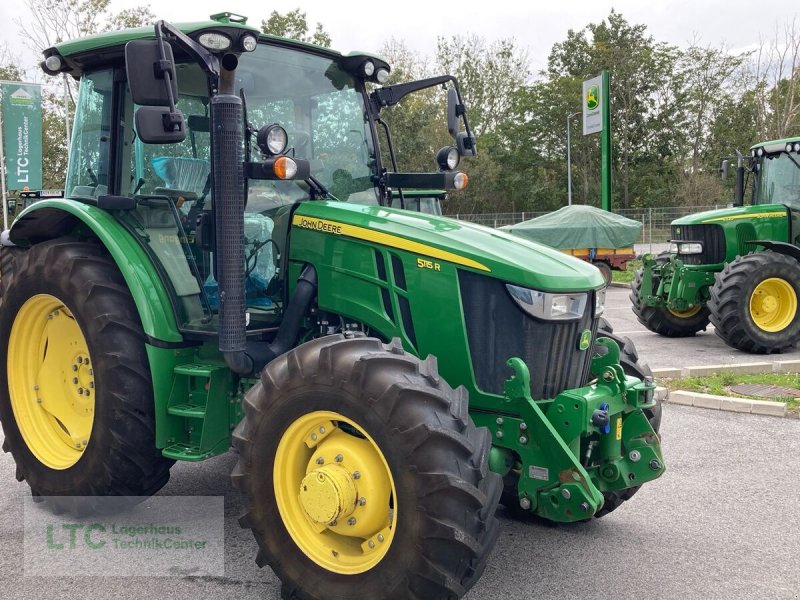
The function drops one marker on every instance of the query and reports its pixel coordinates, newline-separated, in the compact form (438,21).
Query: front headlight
(547,306)
(599,302)
(686,248)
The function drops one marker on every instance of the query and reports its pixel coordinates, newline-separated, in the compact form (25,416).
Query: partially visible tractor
(737,268)
(233,263)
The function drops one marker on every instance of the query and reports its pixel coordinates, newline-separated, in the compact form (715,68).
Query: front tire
(77,410)
(333,408)
(664,321)
(754,302)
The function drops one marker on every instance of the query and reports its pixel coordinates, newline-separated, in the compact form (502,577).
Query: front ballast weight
(569,452)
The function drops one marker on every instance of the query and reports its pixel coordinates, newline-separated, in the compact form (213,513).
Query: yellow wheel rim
(51,382)
(335,492)
(685,314)
(773,305)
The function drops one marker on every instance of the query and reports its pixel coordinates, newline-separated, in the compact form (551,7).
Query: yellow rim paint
(764,215)
(773,304)
(685,314)
(386,239)
(335,492)
(51,382)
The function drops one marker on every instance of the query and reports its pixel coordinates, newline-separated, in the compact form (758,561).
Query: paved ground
(659,352)
(723,522)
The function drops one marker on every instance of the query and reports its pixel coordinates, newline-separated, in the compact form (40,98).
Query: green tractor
(736,267)
(228,269)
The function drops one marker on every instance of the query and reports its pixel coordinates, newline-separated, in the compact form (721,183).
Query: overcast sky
(536,24)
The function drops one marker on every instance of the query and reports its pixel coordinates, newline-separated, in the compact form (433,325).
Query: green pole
(605,142)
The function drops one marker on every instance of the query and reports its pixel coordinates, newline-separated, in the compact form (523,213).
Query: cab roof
(103,47)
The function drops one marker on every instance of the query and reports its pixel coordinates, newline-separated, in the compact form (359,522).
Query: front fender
(49,219)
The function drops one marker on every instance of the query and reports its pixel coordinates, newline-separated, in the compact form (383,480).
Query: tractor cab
(301,105)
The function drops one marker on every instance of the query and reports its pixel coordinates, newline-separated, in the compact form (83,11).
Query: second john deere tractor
(228,268)
(739,267)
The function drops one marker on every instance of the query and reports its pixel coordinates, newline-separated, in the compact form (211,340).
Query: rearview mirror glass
(724,168)
(156,125)
(452,116)
(147,87)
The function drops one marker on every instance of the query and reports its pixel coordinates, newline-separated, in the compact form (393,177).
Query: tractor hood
(762,211)
(482,249)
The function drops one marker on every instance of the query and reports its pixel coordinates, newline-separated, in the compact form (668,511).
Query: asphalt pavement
(722,522)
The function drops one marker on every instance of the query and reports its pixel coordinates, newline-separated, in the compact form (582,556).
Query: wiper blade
(319,190)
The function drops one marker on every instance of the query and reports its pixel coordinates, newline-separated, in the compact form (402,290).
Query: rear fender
(49,219)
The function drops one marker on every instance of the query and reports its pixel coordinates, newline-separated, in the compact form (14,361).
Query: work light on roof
(249,42)
(368,68)
(53,62)
(215,41)
(796,146)
(382,75)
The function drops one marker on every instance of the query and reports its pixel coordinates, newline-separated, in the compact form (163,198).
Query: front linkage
(673,285)
(569,451)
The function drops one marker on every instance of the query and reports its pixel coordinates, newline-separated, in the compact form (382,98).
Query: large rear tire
(664,321)
(77,407)
(754,302)
(364,475)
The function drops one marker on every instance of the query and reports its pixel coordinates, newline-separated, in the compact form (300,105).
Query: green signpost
(596,105)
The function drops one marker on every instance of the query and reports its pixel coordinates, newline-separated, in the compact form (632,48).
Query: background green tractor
(737,267)
(227,268)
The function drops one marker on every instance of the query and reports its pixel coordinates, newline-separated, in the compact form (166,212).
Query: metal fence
(655,221)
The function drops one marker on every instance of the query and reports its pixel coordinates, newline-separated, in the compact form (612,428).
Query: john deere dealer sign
(592,105)
(22,135)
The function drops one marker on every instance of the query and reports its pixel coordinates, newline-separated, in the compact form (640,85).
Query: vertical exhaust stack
(228,193)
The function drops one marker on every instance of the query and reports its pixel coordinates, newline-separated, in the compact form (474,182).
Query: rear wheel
(663,321)
(77,410)
(364,475)
(605,271)
(754,302)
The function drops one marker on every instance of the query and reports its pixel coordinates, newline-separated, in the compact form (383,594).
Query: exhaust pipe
(227,163)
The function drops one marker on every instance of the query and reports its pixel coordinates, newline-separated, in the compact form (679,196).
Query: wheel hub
(773,305)
(328,494)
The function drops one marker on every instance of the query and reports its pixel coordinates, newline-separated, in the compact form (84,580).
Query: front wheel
(663,321)
(364,475)
(754,305)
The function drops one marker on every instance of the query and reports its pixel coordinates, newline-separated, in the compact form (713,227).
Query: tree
(293,24)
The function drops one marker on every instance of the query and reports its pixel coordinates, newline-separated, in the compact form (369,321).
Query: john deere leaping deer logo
(592,97)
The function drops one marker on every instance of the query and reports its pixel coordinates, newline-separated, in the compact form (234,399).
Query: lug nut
(314,436)
(380,537)
(339,458)
(362,501)
(74,367)
(74,380)
(80,390)
(356,475)
(351,521)
(91,384)
(320,461)
(322,430)
(334,523)
(86,392)
(371,544)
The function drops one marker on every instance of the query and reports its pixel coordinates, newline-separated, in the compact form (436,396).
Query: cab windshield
(779,180)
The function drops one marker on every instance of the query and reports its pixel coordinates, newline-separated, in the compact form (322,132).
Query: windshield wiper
(319,190)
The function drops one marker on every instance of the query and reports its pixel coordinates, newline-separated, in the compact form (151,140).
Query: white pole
(3,176)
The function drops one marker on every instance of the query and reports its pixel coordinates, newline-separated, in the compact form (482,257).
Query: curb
(778,366)
(619,284)
(728,403)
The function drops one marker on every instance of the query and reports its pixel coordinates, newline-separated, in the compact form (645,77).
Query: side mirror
(465,144)
(146,73)
(452,111)
(724,168)
(157,125)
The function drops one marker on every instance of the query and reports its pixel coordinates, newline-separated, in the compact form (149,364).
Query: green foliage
(293,24)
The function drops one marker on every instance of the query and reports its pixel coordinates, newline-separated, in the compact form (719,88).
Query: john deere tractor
(736,267)
(233,264)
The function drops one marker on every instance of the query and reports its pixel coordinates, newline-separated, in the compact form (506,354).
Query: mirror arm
(208,62)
